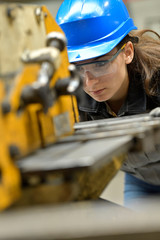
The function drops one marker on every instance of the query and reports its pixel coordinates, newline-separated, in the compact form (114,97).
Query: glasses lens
(100,68)
(97,69)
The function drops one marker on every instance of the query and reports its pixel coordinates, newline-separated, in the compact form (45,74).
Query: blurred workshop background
(144,12)
(146,15)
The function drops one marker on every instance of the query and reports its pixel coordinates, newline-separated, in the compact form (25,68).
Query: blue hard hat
(93,27)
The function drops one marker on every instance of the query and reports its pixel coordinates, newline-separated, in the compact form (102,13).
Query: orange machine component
(36,108)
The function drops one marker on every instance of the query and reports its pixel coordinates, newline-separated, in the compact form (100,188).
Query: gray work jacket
(145,166)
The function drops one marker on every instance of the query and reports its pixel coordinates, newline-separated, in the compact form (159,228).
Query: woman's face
(109,81)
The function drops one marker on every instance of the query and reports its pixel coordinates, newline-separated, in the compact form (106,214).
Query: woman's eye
(100,64)
(79,68)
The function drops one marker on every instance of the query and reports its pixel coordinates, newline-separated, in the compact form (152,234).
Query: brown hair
(146,62)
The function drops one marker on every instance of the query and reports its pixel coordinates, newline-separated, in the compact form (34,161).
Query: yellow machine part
(10,177)
(30,128)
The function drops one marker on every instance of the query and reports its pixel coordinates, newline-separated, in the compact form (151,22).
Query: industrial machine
(46,155)
(54,168)
(37,105)
(38,110)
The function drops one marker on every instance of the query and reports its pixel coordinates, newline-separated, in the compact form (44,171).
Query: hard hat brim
(95,49)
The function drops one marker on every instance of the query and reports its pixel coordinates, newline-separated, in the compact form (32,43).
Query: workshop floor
(114,191)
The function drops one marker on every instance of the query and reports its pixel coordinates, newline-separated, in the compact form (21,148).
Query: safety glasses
(99,68)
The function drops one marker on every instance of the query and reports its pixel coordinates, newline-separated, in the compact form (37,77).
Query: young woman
(120,67)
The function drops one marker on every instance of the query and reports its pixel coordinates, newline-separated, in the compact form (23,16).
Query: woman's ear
(129,52)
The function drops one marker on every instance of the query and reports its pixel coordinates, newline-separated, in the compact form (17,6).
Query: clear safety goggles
(99,68)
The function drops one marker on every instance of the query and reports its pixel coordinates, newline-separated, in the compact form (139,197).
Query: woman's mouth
(98,92)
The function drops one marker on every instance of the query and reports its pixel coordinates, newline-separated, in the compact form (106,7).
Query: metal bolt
(6,107)
(14,151)
(34,180)
(10,13)
(56,39)
(38,14)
